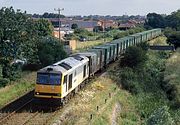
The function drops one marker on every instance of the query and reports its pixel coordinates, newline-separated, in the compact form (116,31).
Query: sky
(95,7)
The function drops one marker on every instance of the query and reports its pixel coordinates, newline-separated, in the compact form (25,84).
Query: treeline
(47,15)
(25,44)
(170,24)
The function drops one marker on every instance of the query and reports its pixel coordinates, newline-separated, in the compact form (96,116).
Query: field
(88,44)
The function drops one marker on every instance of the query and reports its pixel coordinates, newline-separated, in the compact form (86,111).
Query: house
(107,23)
(63,31)
(89,25)
(125,26)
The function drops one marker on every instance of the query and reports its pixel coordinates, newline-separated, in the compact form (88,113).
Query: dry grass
(88,44)
(159,41)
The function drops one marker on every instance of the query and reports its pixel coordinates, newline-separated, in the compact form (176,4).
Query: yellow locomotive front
(48,85)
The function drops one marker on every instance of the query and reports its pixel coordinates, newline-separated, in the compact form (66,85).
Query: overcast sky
(95,7)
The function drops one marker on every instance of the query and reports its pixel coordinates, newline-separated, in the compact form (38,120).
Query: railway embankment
(17,88)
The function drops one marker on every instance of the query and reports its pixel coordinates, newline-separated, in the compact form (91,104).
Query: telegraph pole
(59,13)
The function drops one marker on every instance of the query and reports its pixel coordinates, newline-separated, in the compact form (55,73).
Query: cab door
(65,84)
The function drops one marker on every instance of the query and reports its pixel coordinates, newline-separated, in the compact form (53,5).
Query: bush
(143,45)
(160,117)
(120,35)
(133,57)
(128,80)
(4,82)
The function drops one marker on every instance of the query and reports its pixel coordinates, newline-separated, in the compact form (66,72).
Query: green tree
(173,36)
(98,29)
(155,21)
(18,38)
(173,20)
(43,27)
(50,51)
(74,26)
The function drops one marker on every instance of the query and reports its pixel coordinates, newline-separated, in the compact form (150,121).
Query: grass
(85,103)
(172,74)
(159,41)
(88,44)
(17,88)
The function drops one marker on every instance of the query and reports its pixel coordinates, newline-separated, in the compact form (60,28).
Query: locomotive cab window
(48,78)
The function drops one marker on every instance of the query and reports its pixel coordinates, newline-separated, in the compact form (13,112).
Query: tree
(18,38)
(74,26)
(98,29)
(50,51)
(43,27)
(155,21)
(173,20)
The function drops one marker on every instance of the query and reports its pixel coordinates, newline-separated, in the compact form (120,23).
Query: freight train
(64,78)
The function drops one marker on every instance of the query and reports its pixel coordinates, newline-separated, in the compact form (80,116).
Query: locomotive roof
(65,65)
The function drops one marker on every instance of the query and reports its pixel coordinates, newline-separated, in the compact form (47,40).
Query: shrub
(160,117)
(120,35)
(133,57)
(143,45)
(4,82)
(128,80)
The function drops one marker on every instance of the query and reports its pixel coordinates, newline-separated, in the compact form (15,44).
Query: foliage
(133,57)
(47,15)
(43,27)
(3,82)
(155,21)
(143,45)
(98,29)
(170,22)
(18,38)
(74,26)
(120,35)
(171,80)
(127,32)
(50,51)
(160,117)
(173,20)
(173,37)
(128,78)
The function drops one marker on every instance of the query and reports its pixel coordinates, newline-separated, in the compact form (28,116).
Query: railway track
(12,113)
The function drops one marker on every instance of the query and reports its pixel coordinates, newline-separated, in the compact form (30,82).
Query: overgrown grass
(17,88)
(159,41)
(172,80)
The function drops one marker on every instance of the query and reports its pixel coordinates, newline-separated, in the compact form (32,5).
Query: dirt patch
(116,110)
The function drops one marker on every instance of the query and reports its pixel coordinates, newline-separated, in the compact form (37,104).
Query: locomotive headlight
(37,93)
